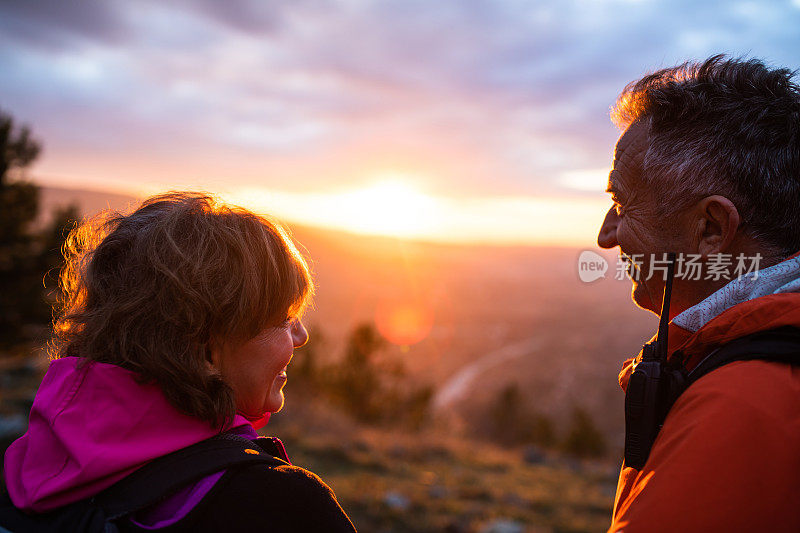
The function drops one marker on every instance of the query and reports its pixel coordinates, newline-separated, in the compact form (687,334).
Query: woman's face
(256,369)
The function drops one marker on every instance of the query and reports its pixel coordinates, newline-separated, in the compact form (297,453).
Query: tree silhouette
(357,378)
(25,256)
(513,422)
(371,388)
(19,149)
(18,199)
(18,208)
(307,371)
(583,438)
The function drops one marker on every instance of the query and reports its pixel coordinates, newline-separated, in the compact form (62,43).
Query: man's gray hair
(725,126)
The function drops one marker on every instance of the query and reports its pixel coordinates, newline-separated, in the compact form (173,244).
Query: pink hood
(90,427)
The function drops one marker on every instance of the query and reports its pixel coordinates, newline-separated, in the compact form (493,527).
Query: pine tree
(20,292)
(26,256)
(513,422)
(357,380)
(583,438)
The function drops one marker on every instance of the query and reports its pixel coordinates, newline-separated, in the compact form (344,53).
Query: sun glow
(392,205)
(388,207)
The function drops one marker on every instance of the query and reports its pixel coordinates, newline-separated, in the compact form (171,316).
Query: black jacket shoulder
(280,499)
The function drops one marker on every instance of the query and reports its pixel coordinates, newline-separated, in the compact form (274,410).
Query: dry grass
(389,481)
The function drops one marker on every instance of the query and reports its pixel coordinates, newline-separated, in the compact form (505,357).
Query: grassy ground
(394,482)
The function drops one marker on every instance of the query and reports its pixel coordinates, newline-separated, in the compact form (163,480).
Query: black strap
(780,345)
(654,387)
(168,474)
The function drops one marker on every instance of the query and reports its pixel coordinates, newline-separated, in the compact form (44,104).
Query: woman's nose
(299,334)
(607,238)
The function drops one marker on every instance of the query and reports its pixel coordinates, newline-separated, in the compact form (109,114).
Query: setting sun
(389,207)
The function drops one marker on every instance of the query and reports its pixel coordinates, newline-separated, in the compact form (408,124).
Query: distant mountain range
(88,201)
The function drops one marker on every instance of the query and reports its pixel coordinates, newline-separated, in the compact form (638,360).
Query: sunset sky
(471,121)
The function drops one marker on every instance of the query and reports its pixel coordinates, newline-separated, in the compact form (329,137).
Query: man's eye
(618,208)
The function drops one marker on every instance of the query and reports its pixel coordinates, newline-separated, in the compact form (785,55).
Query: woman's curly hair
(154,290)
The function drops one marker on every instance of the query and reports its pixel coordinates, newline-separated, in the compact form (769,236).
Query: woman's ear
(214,354)
(717,224)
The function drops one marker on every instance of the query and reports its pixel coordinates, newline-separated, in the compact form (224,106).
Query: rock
(533,455)
(514,499)
(13,425)
(397,501)
(437,492)
(434,453)
(398,452)
(361,446)
(458,526)
(501,525)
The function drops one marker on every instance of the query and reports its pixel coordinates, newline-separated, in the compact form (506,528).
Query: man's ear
(717,224)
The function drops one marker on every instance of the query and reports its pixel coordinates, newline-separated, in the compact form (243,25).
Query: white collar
(780,278)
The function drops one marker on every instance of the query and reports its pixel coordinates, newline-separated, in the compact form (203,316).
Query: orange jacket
(728,456)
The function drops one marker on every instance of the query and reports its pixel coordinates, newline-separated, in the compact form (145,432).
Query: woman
(179,322)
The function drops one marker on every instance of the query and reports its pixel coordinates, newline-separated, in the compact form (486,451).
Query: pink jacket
(93,425)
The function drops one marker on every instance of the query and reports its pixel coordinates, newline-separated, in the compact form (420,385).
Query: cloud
(502,96)
(52,24)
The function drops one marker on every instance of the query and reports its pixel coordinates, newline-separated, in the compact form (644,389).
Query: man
(708,167)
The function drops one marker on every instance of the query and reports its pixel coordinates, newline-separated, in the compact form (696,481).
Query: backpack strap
(165,475)
(654,387)
(780,345)
(273,446)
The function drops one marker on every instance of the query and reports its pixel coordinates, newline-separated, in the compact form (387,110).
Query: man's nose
(607,238)
(299,334)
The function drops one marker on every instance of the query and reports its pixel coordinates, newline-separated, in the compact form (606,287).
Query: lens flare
(403,323)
